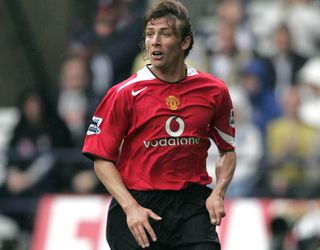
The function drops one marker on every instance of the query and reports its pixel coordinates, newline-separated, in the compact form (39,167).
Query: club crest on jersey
(172,102)
(94,127)
(232,122)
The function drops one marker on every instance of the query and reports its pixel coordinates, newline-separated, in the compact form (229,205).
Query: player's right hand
(138,223)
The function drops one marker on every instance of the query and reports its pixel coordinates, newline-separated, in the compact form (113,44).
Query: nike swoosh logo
(134,93)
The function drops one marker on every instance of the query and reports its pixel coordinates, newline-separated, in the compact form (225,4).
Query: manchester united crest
(173,102)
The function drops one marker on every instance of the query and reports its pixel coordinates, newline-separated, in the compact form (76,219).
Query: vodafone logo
(179,131)
(174,127)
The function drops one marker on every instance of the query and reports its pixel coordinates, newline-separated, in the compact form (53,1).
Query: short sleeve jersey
(157,133)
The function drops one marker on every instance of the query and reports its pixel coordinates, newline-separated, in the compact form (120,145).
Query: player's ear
(186,43)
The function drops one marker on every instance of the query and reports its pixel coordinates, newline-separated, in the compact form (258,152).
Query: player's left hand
(215,207)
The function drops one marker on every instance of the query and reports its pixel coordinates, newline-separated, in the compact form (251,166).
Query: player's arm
(137,216)
(225,167)
(223,133)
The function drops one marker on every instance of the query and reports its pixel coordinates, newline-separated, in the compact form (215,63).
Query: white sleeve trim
(227,138)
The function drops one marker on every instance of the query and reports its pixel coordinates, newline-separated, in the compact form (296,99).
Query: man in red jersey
(162,118)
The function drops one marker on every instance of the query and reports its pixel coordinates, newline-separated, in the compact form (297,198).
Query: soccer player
(162,118)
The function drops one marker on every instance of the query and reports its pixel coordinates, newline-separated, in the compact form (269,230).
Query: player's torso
(168,137)
(177,110)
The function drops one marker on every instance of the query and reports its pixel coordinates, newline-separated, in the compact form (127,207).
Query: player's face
(164,47)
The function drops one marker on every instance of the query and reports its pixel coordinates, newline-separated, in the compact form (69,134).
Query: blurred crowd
(267,52)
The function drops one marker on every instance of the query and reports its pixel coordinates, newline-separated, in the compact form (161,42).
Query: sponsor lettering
(172,142)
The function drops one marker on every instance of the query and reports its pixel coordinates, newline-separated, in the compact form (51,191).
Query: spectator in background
(256,83)
(111,44)
(310,84)
(74,99)
(32,169)
(285,60)
(226,59)
(105,26)
(123,45)
(281,234)
(9,233)
(233,13)
(291,144)
(307,229)
(303,18)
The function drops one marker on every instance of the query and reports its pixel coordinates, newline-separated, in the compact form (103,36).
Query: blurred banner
(71,222)
(78,222)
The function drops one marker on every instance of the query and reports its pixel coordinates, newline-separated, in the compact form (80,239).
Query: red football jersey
(157,133)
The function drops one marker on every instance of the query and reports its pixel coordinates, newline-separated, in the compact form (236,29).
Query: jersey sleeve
(108,127)
(223,125)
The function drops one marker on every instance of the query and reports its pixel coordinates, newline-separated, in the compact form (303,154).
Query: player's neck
(170,75)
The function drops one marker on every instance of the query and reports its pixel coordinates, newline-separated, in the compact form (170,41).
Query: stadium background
(36,39)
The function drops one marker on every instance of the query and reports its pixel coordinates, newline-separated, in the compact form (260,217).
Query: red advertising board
(78,222)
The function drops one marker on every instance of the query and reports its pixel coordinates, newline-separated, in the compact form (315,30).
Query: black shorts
(185,219)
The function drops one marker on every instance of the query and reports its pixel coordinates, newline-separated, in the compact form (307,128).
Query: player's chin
(157,63)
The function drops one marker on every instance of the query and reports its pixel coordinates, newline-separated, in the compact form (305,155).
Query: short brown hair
(172,10)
